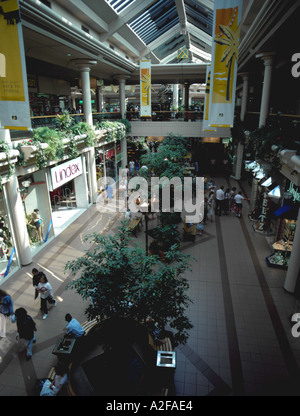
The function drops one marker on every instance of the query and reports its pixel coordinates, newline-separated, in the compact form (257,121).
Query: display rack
(283,246)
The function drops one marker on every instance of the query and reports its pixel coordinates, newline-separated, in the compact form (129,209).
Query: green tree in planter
(124,282)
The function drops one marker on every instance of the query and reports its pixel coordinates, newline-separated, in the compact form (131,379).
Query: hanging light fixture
(267,183)
(275,193)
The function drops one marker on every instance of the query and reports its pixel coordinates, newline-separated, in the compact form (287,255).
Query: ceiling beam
(130,13)
(183,22)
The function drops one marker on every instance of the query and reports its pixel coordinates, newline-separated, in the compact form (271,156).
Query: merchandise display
(283,247)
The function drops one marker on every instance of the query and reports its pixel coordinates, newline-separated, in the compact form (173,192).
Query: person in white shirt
(52,388)
(239,203)
(131,167)
(45,290)
(220,200)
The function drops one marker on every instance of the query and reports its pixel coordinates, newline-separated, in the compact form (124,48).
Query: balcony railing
(50,121)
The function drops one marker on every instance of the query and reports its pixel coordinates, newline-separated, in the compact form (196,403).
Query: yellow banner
(226,38)
(11,76)
(14,100)
(145,86)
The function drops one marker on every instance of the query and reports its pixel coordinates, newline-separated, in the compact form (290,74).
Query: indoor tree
(122,281)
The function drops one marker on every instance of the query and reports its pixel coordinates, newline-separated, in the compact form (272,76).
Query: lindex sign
(65,172)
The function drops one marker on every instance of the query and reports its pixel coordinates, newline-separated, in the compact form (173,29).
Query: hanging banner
(14,102)
(226,37)
(145,87)
(206,101)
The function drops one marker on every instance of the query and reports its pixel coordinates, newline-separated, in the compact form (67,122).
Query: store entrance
(64,207)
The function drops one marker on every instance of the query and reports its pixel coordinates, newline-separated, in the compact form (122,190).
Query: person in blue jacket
(6,309)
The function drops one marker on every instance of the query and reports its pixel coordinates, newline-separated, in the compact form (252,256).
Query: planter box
(30,150)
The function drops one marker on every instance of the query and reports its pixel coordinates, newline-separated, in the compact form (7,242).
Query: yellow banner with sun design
(226,38)
(145,88)
(14,102)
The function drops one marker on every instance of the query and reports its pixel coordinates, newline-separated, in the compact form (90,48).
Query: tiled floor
(241,341)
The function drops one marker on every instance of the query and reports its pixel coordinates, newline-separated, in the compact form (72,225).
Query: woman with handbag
(46,293)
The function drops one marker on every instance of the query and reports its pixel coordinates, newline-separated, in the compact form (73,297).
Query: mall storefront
(53,198)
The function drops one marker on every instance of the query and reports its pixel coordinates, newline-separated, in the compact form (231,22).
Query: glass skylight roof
(119,5)
(155,21)
(161,17)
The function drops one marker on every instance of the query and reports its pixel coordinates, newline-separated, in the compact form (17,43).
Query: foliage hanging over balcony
(65,138)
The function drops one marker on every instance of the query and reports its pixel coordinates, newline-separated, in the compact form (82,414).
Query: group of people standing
(220,202)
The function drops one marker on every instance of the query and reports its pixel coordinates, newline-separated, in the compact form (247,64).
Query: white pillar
(124,151)
(85,66)
(294,263)
(122,80)
(268,59)
(18,220)
(100,99)
(175,95)
(245,76)
(239,161)
(81,187)
(17,212)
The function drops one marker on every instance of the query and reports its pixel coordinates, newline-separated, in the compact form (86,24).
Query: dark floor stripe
(291,362)
(238,386)
(221,388)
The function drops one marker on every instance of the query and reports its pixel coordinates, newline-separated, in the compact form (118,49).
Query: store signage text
(296,195)
(260,226)
(296,67)
(108,154)
(66,172)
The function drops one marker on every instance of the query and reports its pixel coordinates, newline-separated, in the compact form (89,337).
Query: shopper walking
(232,200)
(131,167)
(210,206)
(6,309)
(46,293)
(239,203)
(35,281)
(220,200)
(26,328)
(226,201)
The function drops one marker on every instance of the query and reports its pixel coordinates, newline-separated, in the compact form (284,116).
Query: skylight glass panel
(155,21)
(119,5)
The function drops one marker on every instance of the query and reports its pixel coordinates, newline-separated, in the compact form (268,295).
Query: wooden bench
(133,225)
(87,326)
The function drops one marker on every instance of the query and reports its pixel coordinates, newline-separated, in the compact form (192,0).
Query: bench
(133,225)
(87,326)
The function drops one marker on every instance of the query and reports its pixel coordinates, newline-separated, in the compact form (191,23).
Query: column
(17,213)
(175,96)
(268,59)
(100,100)
(239,161)
(245,77)
(122,80)
(186,99)
(294,263)
(81,187)
(85,65)
(18,220)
